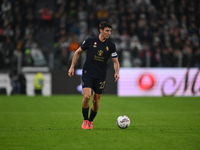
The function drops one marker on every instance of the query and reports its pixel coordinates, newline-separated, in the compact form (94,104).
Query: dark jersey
(98,54)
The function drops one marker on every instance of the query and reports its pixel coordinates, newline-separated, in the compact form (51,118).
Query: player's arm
(116,68)
(74,60)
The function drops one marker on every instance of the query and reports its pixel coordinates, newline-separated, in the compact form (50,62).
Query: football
(123,122)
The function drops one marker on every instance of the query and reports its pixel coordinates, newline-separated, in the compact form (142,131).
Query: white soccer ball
(123,122)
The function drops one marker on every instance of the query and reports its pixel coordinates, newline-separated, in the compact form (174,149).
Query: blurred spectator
(142,21)
(177,43)
(132,29)
(8,47)
(92,24)
(38,83)
(132,5)
(157,57)
(20,44)
(30,19)
(124,26)
(6,6)
(1,57)
(168,57)
(82,13)
(76,29)
(63,43)
(29,30)
(162,21)
(60,32)
(114,21)
(27,59)
(102,14)
(135,50)
(28,4)
(125,36)
(197,58)
(59,13)
(196,46)
(61,3)
(18,33)
(17,56)
(1,33)
(46,17)
(153,14)
(73,46)
(64,59)
(8,17)
(84,34)
(135,43)
(91,6)
(115,36)
(187,57)
(8,31)
(145,37)
(143,2)
(14,76)
(37,55)
(29,41)
(111,5)
(177,61)
(19,20)
(165,36)
(22,81)
(146,56)
(126,59)
(154,27)
(124,45)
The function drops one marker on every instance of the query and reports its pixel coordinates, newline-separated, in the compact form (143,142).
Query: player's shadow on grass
(129,128)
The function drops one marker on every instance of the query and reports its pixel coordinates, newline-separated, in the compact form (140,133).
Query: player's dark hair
(104,24)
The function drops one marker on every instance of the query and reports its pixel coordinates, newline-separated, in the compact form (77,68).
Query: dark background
(63,84)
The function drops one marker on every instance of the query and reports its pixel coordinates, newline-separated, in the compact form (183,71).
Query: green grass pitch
(54,123)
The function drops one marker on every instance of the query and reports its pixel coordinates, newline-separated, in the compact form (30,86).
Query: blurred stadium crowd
(147,33)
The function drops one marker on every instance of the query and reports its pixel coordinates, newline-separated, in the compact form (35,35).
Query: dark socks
(85,113)
(92,115)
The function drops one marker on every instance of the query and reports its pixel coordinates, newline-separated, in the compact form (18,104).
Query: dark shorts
(97,85)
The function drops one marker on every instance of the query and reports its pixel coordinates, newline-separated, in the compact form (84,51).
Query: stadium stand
(147,33)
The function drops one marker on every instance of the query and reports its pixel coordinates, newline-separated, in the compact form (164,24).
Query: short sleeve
(85,44)
(114,53)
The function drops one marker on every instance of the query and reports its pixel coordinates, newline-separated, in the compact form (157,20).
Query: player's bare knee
(87,97)
(95,101)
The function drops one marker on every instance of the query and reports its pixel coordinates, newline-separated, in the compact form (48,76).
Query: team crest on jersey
(95,44)
(100,52)
(107,48)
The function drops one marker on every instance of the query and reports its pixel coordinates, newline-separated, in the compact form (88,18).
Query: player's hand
(71,72)
(116,76)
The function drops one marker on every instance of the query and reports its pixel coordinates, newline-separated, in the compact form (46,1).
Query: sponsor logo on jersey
(107,48)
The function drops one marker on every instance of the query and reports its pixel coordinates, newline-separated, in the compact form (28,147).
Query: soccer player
(99,50)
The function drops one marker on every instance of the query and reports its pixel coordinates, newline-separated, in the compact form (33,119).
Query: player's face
(106,32)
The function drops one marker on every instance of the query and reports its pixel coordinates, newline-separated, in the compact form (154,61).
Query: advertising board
(159,82)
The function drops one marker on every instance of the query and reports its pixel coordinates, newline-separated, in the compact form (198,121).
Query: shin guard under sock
(85,113)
